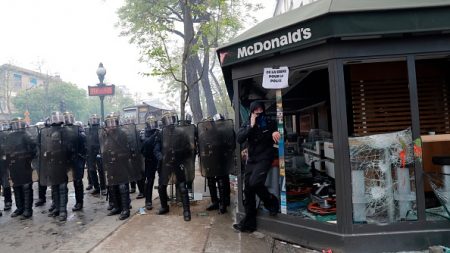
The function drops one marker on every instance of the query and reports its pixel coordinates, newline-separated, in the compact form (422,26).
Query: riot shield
(71,143)
(3,168)
(92,146)
(20,149)
(216,144)
(137,167)
(122,161)
(178,151)
(56,143)
(33,131)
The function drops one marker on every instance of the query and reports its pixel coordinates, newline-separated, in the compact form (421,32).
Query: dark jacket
(151,148)
(259,140)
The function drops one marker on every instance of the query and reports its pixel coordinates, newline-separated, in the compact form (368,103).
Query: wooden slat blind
(433,92)
(380,98)
(381,103)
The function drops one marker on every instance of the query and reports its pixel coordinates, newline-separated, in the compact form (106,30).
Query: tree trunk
(206,84)
(194,97)
(223,97)
(192,82)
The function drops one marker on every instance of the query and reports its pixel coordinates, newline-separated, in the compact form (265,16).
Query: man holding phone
(261,134)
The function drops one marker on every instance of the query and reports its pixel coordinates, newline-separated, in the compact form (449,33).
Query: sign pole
(277,78)
(102,108)
(282,169)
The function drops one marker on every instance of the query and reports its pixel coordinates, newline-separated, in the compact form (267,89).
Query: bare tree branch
(180,18)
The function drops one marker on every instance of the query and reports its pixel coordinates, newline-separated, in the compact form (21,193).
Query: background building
(14,79)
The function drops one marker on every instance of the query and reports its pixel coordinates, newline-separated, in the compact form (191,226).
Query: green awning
(326,19)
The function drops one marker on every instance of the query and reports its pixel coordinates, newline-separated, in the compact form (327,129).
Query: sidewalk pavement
(206,232)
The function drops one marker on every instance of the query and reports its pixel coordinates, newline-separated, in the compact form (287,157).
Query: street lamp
(101,72)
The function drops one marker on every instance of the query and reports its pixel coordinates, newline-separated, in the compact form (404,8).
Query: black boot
(19,198)
(93,183)
(8,198)
(162,191)
(114,198)
(222,196)
(28,202)
(186,204)
(148,194)
(227,188)
(141,186)
(79,192)
(63,199)
(246,225)
(110,198)
(54,208)
(42,199)
(101,174)
(125,201)
(133,187)
(213,192)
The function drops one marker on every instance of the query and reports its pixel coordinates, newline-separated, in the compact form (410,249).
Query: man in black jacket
(260,134)
(151,150)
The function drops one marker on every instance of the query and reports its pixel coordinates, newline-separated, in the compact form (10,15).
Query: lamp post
(101,72)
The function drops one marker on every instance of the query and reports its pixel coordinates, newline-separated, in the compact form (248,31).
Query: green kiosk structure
(366,118)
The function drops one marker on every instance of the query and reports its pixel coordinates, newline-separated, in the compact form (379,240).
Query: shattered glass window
(440,183)
(383,181)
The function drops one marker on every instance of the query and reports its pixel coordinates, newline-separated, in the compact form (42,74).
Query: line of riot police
(169,148)
(113,157)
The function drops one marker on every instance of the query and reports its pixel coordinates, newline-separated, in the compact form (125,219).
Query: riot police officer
(178,149)
(151,150)
(58,149)
(216,141)
(95,167)
(4,182)
(121,161)
(79,160)
(20,149)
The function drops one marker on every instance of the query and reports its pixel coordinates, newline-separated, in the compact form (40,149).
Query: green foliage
(152,23)
(40,101)
(157,28)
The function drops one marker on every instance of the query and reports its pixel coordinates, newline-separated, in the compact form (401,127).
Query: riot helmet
(112,120)
(151,122)
(94,120)
(218,117)
(4,126)
(169,118)
(56,118)
(160,124)
(17,123)
(127,121)
(80,125)
(188,118)
(68,118)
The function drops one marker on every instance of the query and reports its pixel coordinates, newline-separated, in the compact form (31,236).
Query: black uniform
(122,163)
(79,162)
(151,150)
(178,149)
(260,156)
(58,148)
(21,149)
(93,161)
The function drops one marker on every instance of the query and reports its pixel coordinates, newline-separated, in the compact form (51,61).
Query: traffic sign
(106,90)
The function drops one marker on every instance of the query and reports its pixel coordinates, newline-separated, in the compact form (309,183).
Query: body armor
(216,144)
(122,160)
